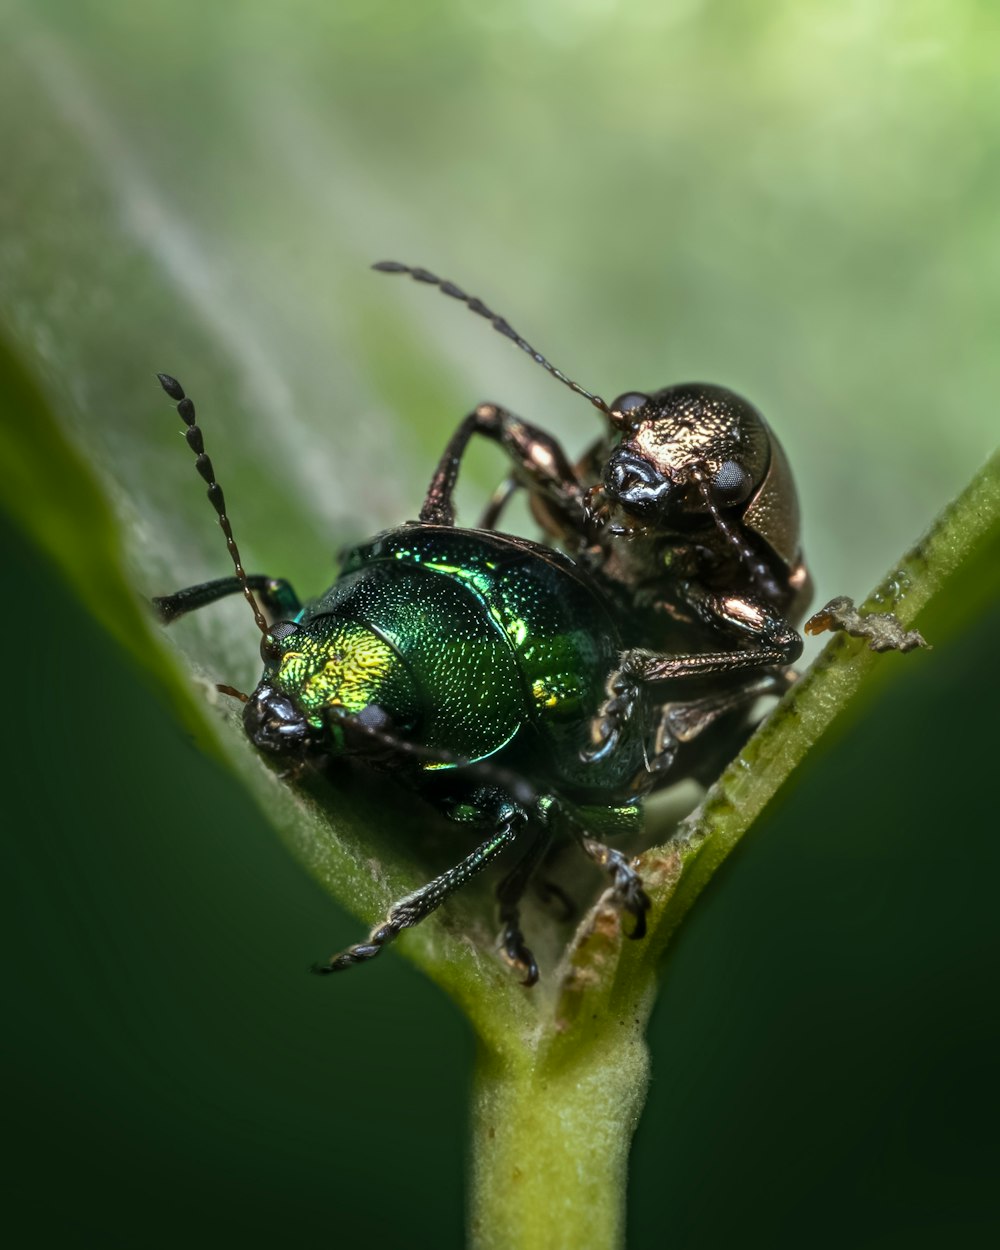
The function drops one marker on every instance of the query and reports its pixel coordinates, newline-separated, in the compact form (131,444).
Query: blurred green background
(799,200)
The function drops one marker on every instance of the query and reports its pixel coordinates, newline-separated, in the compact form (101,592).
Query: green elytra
(472,642)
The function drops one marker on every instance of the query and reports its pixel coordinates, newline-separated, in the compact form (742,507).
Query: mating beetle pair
(526,690)
(686,515)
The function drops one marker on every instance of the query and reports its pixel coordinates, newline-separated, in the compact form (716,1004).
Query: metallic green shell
(507,644)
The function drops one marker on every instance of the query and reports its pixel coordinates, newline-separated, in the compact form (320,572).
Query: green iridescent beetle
(474,663)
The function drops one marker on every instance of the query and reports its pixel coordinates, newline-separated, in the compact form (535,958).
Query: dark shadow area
(176,1075)
(825,1042)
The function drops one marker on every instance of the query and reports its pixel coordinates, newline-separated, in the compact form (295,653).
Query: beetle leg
(626,884)
(499,500)
(549,892)
(769,640)
(766,635)
(277,596)
(683,722)
(539,463)
(509,893)
(414,907)
(623,689)
(680,720)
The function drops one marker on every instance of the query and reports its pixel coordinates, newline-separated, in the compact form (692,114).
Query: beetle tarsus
(361,952)
(509,894)
(518,954)
(626,884)
(643,905)
(358,954)
(622,691)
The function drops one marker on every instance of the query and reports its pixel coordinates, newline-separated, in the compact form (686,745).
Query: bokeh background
(799,200)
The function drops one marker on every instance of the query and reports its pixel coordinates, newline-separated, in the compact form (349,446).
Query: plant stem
(551,1137)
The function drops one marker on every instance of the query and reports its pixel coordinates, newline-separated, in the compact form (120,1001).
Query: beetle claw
(518,955)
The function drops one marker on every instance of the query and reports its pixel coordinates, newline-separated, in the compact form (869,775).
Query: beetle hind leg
(498,501)
(678,721)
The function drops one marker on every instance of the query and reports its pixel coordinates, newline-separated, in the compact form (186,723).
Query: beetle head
(318,672)
(272,717)
(689,454)
(676,442)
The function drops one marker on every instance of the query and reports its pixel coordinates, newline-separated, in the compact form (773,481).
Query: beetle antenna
(204,466)
(498,323)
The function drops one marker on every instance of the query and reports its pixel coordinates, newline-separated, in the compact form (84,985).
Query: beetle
(685,511)
(472,663)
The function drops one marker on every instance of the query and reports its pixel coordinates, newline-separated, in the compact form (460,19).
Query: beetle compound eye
(374,718)
(732,484)
(283,629)
(270,645)
(628,408)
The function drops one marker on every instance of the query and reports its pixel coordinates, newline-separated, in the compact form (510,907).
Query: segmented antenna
(498,323)
(204,466)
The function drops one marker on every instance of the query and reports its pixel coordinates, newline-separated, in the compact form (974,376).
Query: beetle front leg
(683,722)
(277,596)
(770,643)
(766,639)
(538,460)
(414,907)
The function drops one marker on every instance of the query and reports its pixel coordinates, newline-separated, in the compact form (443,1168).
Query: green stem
(551,1139)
